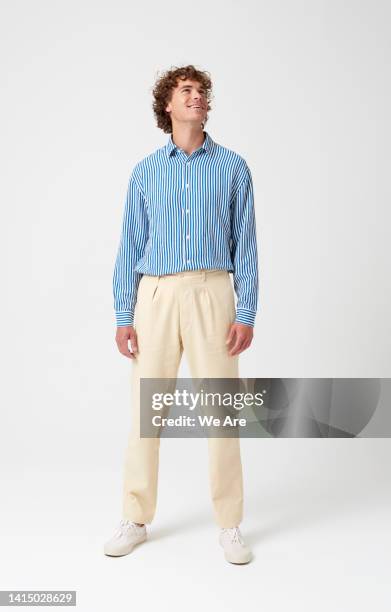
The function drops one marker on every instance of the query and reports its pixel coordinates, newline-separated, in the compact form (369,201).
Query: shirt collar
(207,145)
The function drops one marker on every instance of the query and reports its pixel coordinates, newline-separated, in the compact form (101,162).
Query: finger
(134,343)
(231,335)
(245,346)
(124,349)
(237,346)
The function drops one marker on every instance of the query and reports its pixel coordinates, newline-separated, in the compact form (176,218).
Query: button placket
(186,209)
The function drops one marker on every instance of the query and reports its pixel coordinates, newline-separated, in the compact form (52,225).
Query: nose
(197,98)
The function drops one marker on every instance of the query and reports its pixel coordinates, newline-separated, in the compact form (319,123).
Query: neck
(189,138)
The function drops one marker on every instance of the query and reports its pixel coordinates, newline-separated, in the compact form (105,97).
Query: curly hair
(163,88)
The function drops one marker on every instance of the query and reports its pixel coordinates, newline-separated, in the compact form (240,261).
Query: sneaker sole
(123,554)
(238,561)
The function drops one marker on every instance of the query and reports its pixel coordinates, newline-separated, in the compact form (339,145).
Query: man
(189,221)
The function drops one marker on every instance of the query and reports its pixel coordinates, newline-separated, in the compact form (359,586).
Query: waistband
(198,274)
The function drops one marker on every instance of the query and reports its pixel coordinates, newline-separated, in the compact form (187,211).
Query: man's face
(188,102)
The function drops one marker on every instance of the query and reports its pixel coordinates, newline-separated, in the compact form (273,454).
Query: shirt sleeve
(244,250)
(131,248)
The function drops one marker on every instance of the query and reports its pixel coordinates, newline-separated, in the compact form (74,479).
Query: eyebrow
(184,87)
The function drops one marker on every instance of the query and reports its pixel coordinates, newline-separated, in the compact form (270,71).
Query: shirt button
(187,210)
(187,185)
(188,236)
(189,260)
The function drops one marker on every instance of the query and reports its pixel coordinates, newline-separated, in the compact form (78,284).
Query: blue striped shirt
(188,212)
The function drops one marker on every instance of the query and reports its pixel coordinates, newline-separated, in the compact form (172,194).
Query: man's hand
(239,338)
(122,337)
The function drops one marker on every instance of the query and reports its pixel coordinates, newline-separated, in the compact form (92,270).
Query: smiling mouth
(195,106)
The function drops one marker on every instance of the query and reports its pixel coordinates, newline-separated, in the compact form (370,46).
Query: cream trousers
(189,311)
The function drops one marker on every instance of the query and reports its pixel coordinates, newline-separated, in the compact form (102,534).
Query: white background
(302,92)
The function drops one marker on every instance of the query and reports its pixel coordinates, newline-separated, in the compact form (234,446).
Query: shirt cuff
(124,319)
(245,316)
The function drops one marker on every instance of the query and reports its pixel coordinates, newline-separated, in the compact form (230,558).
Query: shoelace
(124,526)
(234,534)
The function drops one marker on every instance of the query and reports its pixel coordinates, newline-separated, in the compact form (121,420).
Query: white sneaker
(235,550)
(127,535)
